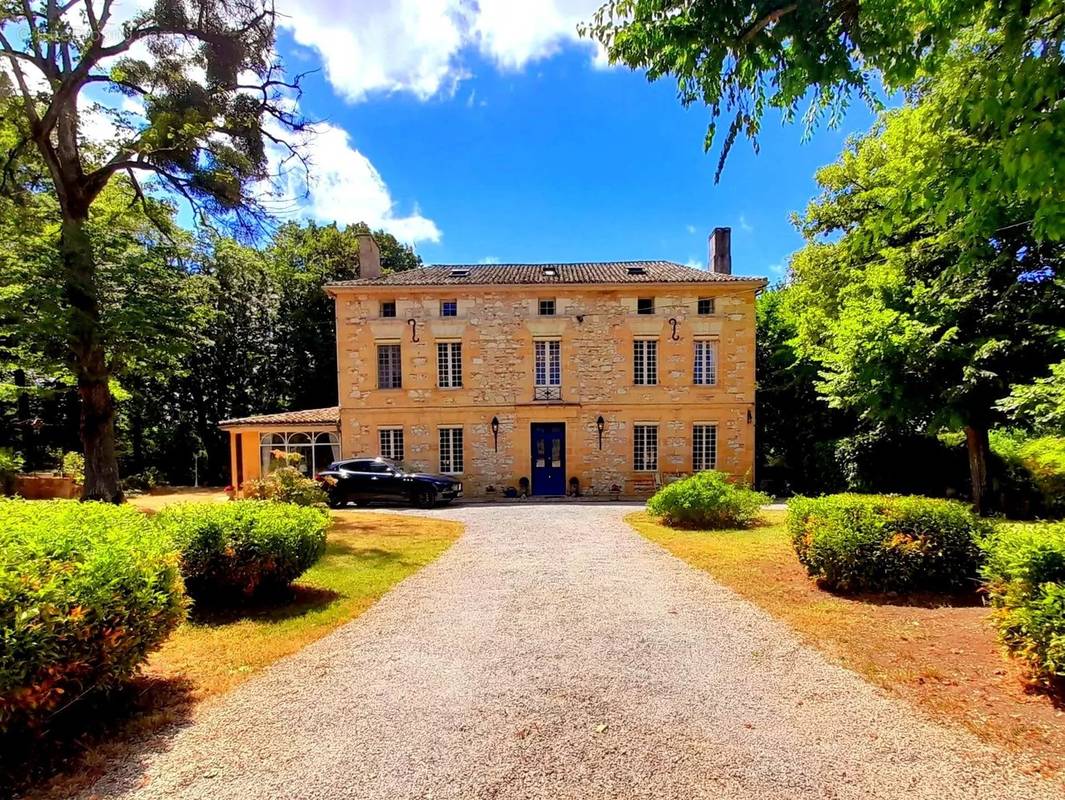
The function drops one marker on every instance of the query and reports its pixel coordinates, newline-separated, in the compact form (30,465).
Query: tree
(913,319)
(744,57)
(1039,406)
(208,98)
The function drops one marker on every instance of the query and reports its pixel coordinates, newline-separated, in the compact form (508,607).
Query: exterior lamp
(495,431)
(750,416)
(599,425)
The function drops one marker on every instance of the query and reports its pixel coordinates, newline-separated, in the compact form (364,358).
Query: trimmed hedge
(87,591)
(238,549)
(875,543)
(707,501)
(1025,576)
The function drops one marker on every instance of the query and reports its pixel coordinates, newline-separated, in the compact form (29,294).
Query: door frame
(532,458)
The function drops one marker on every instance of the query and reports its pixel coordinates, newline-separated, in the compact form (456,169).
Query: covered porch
(313,433)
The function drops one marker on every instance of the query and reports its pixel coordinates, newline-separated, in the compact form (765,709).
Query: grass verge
(366,555)
(941,656)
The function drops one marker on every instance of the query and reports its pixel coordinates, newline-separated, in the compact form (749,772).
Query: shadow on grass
(289,603)
(118,725)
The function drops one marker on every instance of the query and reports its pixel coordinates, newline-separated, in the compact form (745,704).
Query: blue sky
(507,143)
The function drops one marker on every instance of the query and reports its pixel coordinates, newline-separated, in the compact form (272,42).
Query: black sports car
(365,480)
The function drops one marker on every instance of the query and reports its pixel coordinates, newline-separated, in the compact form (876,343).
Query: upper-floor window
(389,372)
(451,460)
(645,448)
(547,308)
(548,369)
(645,362)
(449,308)
(706,305)
(705,369)
(645,305)
(391,443)
(704,447)
(449,365)
(388,308)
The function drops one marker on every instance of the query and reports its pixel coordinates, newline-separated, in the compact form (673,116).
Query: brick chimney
(369,257)
(721,251)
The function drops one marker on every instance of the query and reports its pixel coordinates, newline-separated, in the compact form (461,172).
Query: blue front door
(548,458)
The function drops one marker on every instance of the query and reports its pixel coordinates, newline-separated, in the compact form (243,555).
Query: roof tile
(313,416)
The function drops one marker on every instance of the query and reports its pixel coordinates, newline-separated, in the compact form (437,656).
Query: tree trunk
(979,448)
(89,363)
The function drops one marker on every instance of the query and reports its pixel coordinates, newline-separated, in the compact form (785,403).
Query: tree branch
(760,24)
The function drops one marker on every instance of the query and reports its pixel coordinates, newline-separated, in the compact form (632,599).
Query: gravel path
(554,653)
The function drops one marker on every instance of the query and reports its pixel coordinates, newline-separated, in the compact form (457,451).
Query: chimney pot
(721,251)
(369,257)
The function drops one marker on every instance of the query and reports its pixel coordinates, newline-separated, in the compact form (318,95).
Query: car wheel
(425,498)
(335,500)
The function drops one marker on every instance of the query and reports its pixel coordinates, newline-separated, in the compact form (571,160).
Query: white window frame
(298,441)
(645,362)
(394,437)
(644,449)
(704,446)
(452,461)
(547,357)
(704,362)
(449,365)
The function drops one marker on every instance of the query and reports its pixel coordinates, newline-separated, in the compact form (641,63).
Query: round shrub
(232,551)
(707,501)
(286,485)
(1025,575)
(873,543)
(87,591)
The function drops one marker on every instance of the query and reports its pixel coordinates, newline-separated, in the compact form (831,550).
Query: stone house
(615,376)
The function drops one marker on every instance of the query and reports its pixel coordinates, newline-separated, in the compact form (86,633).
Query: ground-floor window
(704,447)
(318,450)
(451,450)
(391,441)
(645,448)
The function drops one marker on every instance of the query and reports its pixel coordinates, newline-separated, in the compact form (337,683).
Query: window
(637,270)
(705,370)
(451,450)
(645,448)
(316,450)
(449,308)
(548,374)
(704,447)
(547,308)
(645,362)
(388,308)
(389,375)
(550,272)
(706,305)
(449,365)
(645,305)
(391,440)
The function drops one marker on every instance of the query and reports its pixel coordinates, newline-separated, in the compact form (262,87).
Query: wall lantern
(495,431)
(599,425)
(750,416)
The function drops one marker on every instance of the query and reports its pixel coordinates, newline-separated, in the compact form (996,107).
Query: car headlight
(458,487)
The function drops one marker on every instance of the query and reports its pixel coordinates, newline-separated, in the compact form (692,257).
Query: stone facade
(596,325)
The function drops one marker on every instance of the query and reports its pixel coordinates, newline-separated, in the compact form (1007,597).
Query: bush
(286,485)
(1025,575)
(707,501)
(10,466)
(142,481)
(873,543)
(1036,470)
(87,591)
(233,551)
(74,466)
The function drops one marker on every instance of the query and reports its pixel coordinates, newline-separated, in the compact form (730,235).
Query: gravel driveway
(554,653)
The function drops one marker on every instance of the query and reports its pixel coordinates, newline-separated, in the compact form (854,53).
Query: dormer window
(460,272)
(645,305)
(547,308)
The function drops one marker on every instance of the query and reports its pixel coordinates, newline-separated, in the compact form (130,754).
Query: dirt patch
(944,658)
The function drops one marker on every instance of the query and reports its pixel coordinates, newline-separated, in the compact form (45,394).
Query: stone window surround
(708,444)
(709,362)
(455,454)
(394,442)
(649,431)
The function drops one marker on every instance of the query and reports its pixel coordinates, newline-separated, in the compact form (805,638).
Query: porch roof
(311,416)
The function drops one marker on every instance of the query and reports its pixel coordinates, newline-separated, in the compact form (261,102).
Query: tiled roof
(584,272)
(313,416)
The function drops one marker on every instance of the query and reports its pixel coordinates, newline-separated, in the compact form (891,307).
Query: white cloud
(417,46)
(490,260)
(694,263)
(691,229)
(343,186)
(745,225)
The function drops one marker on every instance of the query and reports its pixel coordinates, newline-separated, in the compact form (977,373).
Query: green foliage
(1025,576)
(286,485)
(1036,467)
(1040,405)
(870,543)
(87,591)
(11,464)
(74,466)
(707,501)
(234,551)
